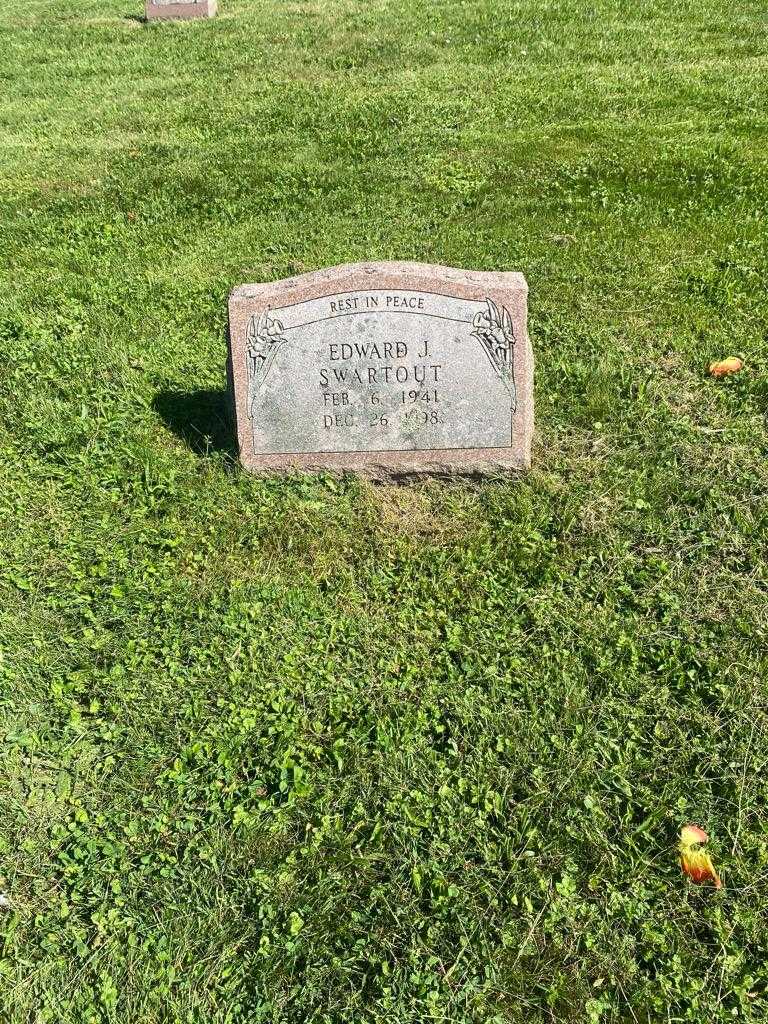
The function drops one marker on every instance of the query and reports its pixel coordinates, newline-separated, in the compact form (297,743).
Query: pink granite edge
(482,461)
(507,287)
(398,269)
(180,11)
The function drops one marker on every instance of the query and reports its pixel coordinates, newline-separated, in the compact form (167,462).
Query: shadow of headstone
(202,419)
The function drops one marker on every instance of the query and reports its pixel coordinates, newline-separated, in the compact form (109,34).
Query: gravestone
(383,368)
(181,10)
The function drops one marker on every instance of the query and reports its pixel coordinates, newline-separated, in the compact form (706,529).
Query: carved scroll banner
(383,368)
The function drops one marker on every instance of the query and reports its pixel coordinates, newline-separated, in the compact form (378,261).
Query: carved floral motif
(264,337)
(493,329)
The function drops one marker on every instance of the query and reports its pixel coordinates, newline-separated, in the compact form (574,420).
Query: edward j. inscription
(383,368)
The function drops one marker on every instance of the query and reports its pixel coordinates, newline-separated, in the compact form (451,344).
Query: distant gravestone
(383,368)
(180,10)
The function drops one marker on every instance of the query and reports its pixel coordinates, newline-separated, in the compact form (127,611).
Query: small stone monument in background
(383,368)
(154,9)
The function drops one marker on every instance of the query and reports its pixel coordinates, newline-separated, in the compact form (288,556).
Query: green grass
(310,749)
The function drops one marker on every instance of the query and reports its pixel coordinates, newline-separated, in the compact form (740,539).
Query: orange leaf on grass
(723,367)
(696,862)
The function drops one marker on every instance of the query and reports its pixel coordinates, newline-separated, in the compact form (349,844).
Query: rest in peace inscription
(380,370)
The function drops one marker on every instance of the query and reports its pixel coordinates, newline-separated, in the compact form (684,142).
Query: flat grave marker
(180,10)
(383,368)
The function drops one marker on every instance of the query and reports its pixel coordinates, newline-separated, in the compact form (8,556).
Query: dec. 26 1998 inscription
(391,367)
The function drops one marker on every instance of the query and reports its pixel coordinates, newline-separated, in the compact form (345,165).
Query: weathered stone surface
(383,368)
(173,9)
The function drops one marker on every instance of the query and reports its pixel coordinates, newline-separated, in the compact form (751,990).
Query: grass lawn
(309,749)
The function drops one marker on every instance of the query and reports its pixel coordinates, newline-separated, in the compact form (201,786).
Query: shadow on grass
(140,18)
(200,418)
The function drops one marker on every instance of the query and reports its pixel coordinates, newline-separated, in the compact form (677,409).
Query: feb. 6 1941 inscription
(383,368)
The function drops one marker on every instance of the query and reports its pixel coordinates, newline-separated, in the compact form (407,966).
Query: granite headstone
(383,368)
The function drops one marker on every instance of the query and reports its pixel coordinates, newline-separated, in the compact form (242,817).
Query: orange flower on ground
(723,367)
(695,862)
